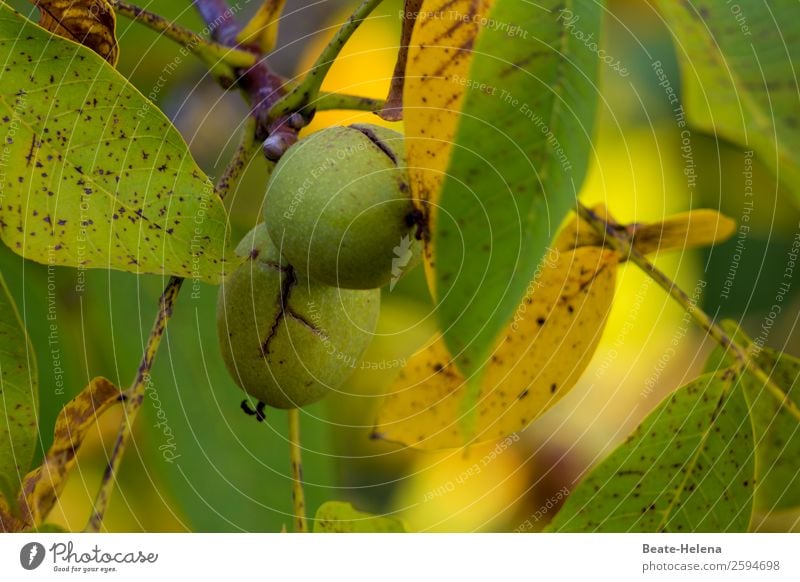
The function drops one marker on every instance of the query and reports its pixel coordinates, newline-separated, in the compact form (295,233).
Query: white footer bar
(404,557)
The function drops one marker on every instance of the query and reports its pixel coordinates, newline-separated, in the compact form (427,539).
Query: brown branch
(134,397)
(219,19)
(261,85)
(298,497)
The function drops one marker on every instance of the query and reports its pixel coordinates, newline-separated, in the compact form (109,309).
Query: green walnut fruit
(338,206)
(286,340)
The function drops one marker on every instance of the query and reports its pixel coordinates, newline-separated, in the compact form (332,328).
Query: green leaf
(520,157)
(687,468)
(739,75)
(777,433)
(8,494)
(341,517)
(19,397)
(95,176)
(776,426)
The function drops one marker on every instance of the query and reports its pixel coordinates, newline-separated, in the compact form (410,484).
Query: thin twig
(240,160)
(301,98)
(134,396)
(329,101)
(298,497)
(393,109)
(262,87)
(133,402)
(618,240)
(776,391)
(212,53)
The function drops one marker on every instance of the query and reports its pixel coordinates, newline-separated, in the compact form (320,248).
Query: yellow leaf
(572,295)
(262,30)
(579,233)
(91,23)
(695,228)
(540,357)
(42,486)
(8,521)
(439,59)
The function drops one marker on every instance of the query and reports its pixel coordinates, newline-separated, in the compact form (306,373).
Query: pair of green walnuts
(297,314)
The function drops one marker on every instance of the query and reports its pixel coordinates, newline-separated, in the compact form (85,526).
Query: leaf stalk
(298,496)
(618,240)
(302,98)
(134,396)
(221,59)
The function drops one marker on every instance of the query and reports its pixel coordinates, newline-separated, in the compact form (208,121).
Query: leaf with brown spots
(540,357)
(686,230)
(425,398)
(91,23)
(96,176)
(499,107)
(439,57)
(687,468)
(739,75)
(19,398)
(777,429)
(775,414)
(43,485)
(341,517)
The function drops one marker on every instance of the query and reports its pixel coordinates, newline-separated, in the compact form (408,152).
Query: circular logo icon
(31,555)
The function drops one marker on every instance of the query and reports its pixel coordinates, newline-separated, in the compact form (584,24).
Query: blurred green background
(208,467)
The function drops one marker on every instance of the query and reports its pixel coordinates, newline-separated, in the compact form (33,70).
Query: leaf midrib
(690,465)
(556,88)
